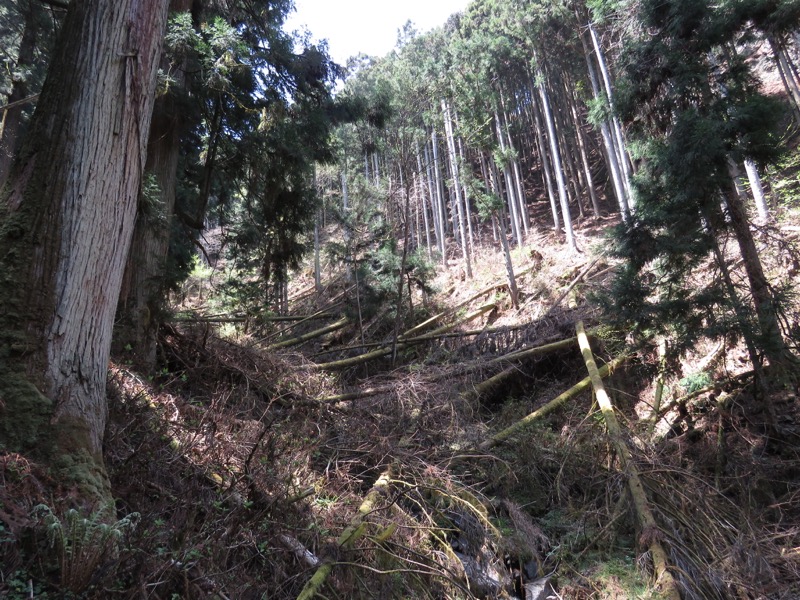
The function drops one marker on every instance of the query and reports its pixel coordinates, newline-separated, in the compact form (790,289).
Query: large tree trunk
(143,288)
(142,294)
(67,222)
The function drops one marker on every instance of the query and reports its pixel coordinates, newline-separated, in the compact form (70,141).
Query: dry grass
(245,479)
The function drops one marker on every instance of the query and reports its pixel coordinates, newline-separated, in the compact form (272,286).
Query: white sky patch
(353,26)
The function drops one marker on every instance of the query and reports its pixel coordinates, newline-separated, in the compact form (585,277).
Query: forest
(509,312)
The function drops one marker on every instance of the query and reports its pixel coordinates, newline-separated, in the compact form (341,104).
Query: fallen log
(650,534)
(550,407)
(367,393)
(210,320)
(530,352)
(355,530)
(300,551)
(303,318)
(385,351)
(430,336)
(572,284)
(310,335)
(459,306)
(487,386)
(244,319)
(279,333)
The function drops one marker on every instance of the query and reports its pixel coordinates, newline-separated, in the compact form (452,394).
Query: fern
(81,542)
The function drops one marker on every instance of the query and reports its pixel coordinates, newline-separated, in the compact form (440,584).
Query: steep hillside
(257,473)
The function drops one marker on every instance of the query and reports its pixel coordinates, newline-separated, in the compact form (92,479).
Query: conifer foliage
(694,106)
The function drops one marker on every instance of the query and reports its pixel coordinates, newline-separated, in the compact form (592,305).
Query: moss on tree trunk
(67,217)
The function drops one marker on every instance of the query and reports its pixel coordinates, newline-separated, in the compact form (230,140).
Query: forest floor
(253,468)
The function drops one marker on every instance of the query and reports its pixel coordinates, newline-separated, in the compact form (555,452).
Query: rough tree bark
(143,290)
(67,219)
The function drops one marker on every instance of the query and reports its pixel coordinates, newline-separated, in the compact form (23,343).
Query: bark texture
(67,220)
(143,288)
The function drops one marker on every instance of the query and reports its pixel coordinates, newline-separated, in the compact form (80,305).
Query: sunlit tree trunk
(619,138)
(559,171)
(436,199)
(439,185)
(67,222)
(516,227)
(470,233)
(757,190)
(512,280)
(585,159)
(423,186)
(448,124)
(546,168)
(519,192)
(617,176)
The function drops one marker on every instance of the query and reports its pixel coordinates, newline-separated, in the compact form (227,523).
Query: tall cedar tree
(235,134)
(66,221)
(695,107)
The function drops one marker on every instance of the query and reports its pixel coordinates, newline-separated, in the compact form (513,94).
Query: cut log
(650,533)
(348,537)
(363,358)
(343,322)
(550,407)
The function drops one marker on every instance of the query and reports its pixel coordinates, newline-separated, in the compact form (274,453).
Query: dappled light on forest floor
(277,456)
(510,313)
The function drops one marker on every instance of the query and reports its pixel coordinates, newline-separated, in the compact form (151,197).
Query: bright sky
(368,26)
